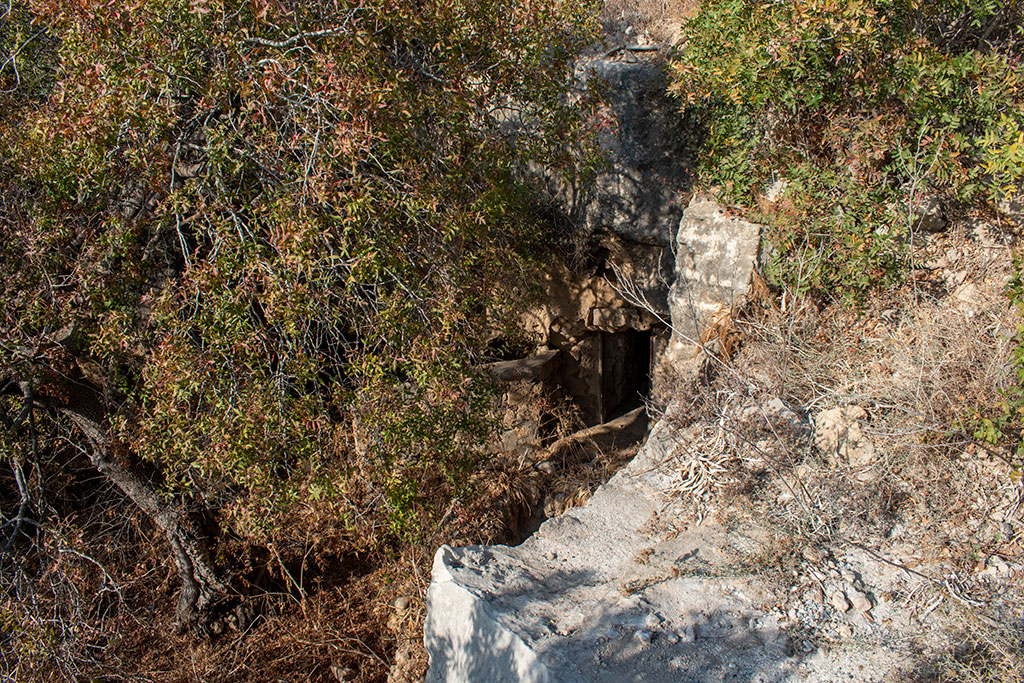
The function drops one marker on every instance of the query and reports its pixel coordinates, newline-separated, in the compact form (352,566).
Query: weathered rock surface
(1012,208)
(527,384)
(596,596)
(927,213)
(638,193)
(618,591)
(839,434)
(716,254)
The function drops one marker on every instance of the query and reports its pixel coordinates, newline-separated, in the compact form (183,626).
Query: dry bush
(982,655)
(293,640)
(505,500)
(918,365)
(996,657)
(921,362)
(75,577)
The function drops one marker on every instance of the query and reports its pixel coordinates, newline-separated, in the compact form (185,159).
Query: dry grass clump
(992,657)
(701,460)
(917,366)
(660,19)
(985,655)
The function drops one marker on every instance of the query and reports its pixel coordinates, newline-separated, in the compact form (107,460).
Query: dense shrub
(251,248)
(864,109)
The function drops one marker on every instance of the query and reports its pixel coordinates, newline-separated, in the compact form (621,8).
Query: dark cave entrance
(625,369)
(574,411)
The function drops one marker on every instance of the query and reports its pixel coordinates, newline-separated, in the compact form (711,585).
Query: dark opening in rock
(607,373)
(625,371)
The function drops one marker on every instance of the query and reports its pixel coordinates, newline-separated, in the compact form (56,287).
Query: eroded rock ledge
(604,592)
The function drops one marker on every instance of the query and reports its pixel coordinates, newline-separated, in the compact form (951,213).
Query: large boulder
(716,254)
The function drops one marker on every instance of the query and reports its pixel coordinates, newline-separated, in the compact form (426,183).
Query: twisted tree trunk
(200,584)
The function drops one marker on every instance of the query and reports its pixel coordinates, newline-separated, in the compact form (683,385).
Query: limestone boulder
(716,254)
(928,214)
(603,594)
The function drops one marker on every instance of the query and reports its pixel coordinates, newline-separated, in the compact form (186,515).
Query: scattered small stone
(996,567)
(838,433)
(688,634)
(860,601)
(867,476)
(644,636)
(402,603)
(342,673)
(814,594)
(547,467)
(844,630)
(813,555)
(840,602)
(848,576)
(774,193)
(652,620)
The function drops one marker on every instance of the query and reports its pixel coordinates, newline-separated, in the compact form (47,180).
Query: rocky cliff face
(597,593)
(639,194)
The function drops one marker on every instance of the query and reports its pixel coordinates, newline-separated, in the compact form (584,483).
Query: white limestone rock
(716,254)
(568,603)
(839,434)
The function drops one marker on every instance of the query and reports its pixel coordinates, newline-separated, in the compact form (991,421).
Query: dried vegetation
(914,369)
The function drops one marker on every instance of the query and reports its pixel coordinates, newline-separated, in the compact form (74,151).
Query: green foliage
(863,107)
(819,243)
(264,220)
(27,61)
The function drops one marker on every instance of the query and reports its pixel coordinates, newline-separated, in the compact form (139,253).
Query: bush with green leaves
(863,108)
(235,228)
